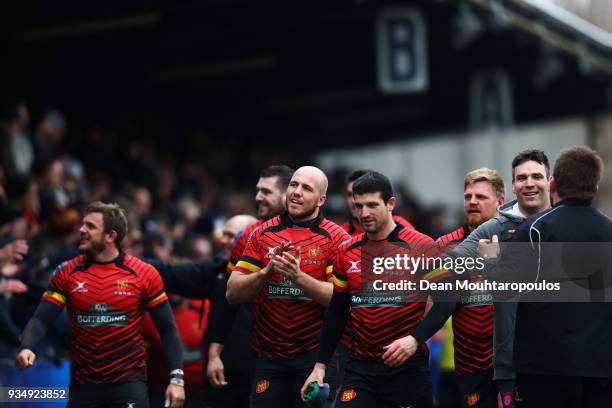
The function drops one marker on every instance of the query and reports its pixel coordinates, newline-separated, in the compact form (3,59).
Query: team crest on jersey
(472,399)
(262,386)
(123,286)
(314,252)
(348,395)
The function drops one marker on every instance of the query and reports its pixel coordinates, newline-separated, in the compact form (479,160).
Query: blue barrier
(43,374)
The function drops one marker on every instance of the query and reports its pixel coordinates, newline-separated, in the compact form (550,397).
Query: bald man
(233,229)
(286,270)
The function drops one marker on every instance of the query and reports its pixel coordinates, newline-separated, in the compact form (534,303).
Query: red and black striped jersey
(353,228)
(379,318)
(472,320)
(284,320)
(106,303)
(240,244)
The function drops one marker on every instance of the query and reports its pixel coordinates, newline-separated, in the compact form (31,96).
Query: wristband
(177,381)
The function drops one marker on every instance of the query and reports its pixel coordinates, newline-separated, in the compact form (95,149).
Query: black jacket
(567,338)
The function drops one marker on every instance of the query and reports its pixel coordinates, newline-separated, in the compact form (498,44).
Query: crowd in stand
(176,199)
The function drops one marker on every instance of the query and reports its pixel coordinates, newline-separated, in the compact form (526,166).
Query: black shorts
(278,381)
(478,390)
(371,384)
(563,392)
(123,394)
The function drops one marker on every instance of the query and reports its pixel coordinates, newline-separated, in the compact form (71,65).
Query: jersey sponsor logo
(262,386)
(472,399)
(285,291)
(476,298)
(354,267)
(348,395)
(101,319)
(377,300)
(80,288)
(101,308)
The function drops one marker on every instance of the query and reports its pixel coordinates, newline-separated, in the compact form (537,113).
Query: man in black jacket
(563,350)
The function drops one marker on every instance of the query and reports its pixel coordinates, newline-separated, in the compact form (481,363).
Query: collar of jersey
(288,222)
(392,237)
(575,202)
(118,259)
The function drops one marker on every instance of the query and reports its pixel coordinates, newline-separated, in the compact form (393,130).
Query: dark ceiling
(271,71)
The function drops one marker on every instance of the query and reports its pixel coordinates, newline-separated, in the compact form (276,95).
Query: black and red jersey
(284,320)
(472,320)
(106,303)
(379,318)
(240,245)
(354,228)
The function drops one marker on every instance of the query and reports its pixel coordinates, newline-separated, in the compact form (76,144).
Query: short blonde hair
(490,176)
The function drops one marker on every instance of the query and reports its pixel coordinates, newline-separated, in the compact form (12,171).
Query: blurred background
(173,108)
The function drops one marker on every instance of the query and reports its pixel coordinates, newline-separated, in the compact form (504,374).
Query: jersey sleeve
(251,259)
(339,240)
(340,279)
(58,286)
(237,251)
(154,293)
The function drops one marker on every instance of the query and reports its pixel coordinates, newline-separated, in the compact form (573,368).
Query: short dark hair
(577,172)
(535,155)
(373,182)
(113,217)
(284,174)
(354,175)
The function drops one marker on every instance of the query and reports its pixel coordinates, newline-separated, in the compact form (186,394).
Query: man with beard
(380,373)
(286,270)
(106,293)
(352,225)
(230,361)
(484,332)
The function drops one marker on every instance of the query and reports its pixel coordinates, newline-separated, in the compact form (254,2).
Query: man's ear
(322,200)
(552,185)
(391,204)
(112,236)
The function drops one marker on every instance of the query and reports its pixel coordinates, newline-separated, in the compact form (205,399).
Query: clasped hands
(285,263)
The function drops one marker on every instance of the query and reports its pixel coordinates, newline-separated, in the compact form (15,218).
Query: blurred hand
(25,359)
(13,286)
(175,396)
(10,269)
(15,251)
(488,248)
(215,372)
(399,351)
(317,374)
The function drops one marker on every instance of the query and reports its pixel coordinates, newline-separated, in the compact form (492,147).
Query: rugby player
(106,293)
(286,271)
(380,374)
